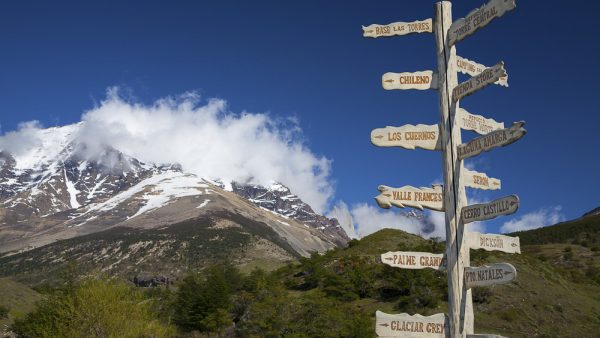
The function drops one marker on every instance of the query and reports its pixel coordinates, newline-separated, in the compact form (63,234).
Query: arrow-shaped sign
(478,18)
(481,212)
(405,325)
(398,28)
(414,260)
(473,68)
(476,123)
(412,197)
(493,242)
(473,179)
(487,77)
(499,273)
(495,139)
(417,80)
(408,136)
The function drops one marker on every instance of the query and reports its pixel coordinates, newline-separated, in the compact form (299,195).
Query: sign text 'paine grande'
(478,18)
(474,179)
(412,197)
(423,80)
(476,123)
(493,242)
(487,77)
(498,273)
(414,260)
(405,325)
(480,212)
(473,68)
(398,28)
(408,136)
(498,138)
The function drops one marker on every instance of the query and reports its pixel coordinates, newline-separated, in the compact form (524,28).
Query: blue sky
(308,60)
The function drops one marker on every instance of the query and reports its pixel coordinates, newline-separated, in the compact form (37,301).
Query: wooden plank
(493,242)
(408,136)
(473,179)
(480,212)
(478,18)
(473,68)
(422,80)
(410,196)
(498,273)
(414,260)
(495,139)
(477,82)
(398,28)
(477,123)
(405,325)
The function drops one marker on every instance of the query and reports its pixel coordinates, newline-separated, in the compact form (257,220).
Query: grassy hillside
(17,298)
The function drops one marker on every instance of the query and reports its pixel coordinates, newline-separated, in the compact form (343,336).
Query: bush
(3,312)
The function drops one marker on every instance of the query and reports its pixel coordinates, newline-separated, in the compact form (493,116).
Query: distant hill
(584,231)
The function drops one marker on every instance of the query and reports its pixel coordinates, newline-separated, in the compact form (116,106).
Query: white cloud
(537,219)
(341,212)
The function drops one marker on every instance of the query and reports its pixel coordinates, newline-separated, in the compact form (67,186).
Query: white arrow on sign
(473,179)
(484,335)
(398,28)
(408,136)
(495,139)
(498,273)
(478,18)
(414,260)
(493,242)
(426,79)
(473,68)
(498,207)
(487,77)
(410,196)
(405,325)
(476,123)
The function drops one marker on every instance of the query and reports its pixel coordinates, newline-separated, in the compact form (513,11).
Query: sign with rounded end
(398,28)
(412,197)
(417,80)
(414,260)
(478,18)
(495,139)
(498,207)
(473,68)
(499,273)
(493,242)
(473,179)
(405,325)
(408,136)
(476,123)
(487,77)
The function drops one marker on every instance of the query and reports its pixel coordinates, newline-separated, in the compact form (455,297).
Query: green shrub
(3,312)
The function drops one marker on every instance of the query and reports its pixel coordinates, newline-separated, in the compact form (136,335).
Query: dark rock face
(146,281)
(592,212)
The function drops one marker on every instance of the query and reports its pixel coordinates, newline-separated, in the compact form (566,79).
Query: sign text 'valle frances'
(398,28)
(473,179)
(498,138)
(476,123)
(487,77)
(473,68)
(480,212)
(412,197)
(426,79)
(414,260)
(493,242)
(498,273)
(478,18)
(405,325)
(408,136)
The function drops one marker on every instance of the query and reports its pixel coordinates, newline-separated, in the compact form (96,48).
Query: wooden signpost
(408,136)
(452,200)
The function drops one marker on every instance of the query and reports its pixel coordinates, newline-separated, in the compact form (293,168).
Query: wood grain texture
(481,212)
(405,325)
(408,136)
(493,274)
(398,28)
(414,260)
(478,18)
(477,82)
(493,242)
(421,80)
(409,196)
(495,139)
(477,180)
(477,123)
(473,68)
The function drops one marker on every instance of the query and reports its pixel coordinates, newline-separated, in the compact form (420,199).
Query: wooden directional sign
(495,139)
(405,325)
(481,212)
(499,273)
(412,197)
(408,136)
(493,242)
(473,68)
(487,77)
(476,123)
(398,28)
(473,179)
(414,260)
(418,80)
(484,335)
(478,18)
